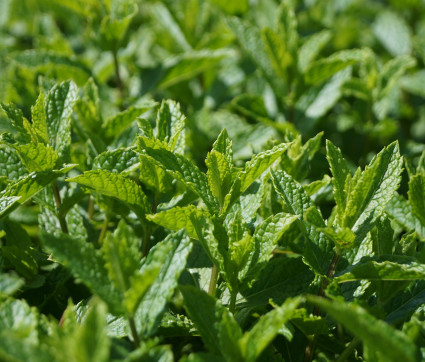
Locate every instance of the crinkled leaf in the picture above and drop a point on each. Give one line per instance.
(59, 105)
(417, 196)
(373, 189)
(11, 165)
(118, 160)
(152, 307)
(170, 124)
(297, 202)
(181, 168)
(115, 185)
(37, 157)
(340, 171)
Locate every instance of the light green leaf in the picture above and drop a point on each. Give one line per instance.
(266, 329)
(219, 175)
(217, 327)
(22, 260)
(322, 69)
(311, 48)
(374, 333)
(152, 307)
(298, 202)
(181, 168)
(86, 263)
(153, 176)
(117, 186)
(170, 123)
(393, 32)
(119, 160)
(59, 104)
(340, 172)
(37, 158)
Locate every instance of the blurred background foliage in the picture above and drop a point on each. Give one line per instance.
(265, 70)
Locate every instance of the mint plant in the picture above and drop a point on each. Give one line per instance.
(212, 181)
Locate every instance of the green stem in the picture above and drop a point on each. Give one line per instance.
(90, 208)
(232, 303)
(118, 78)
(134, 333)
(58, 202)
(103, 230)
(309, 350)
(347, 352)
(213, 281)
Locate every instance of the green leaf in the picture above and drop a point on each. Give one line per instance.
(396, 268)
(199, 224)
(217, 327)
(251, 172)
(266, 236)
(116, 124)
(187, 66)
(298, 202)
(324, 68)
(251, 41)
(340, 172)
(37, 158)
(232, 7)
(119, 160)
(219, 175)
(87, 264)
(417, 196)
(114, 26)
(399, 208)
(181, 168)
(170, 123)
(393, 32)
(373, 189)
(11, 165)
(18, 121)
(295, 161)
(311, 48)
(9, 284)
(374, 333)
(38, 117)
(117, 186)
(266, 329)
(279, 56)
(122, 257)
(153, 305)
(25, 188)
(59, 105)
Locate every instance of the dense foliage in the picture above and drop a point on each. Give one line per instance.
(216, 180)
